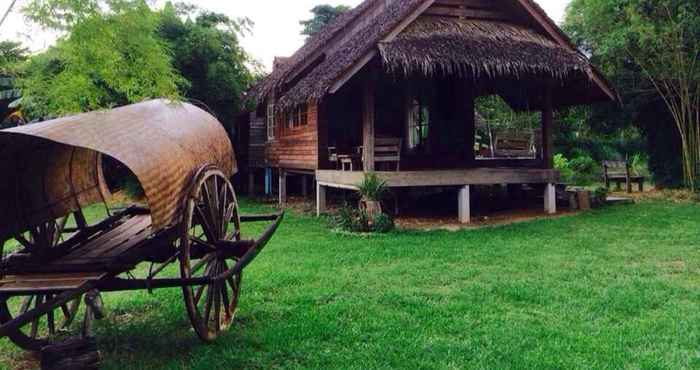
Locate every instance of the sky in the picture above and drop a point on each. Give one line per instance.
(276, 31)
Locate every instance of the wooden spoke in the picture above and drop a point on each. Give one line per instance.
(206, 224)
(44, 329)
(198, 241)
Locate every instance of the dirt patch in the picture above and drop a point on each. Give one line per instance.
(494, 219)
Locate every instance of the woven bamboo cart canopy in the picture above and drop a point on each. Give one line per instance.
(53, 168)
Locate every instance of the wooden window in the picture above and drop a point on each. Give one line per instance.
(271, 123)
(297, 117)
(418, 125)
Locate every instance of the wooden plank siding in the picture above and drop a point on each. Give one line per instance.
(295, 148)
(257, 142)
(469, 9)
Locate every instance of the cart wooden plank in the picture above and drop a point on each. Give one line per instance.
(56, 282)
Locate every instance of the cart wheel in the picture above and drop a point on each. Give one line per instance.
(211, 215)
(41, 238)
(42, 331)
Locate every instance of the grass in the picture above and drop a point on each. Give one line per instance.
(615, 288)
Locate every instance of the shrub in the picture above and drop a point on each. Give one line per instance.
(357, 221)
(382, 223)
(582, 170)
(585, 170)
(352, 220)
(599, 196)
(372, 188)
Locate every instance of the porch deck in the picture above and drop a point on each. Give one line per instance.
(463, 178)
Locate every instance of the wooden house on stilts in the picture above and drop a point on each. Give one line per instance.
(390, 87)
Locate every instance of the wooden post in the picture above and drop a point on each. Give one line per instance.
(304, 187)
(550, 199)
(251, 182)
(283, 187)
(320, 199)
(464, 205)
(368, 124)
(547, 130)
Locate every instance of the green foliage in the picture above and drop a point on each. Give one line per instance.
(12, 55)
(581, 171)
(650, 50)
(600, 196)
(561, 164)
(106, 60)
(382, 223)
(372, 188)
(352, 220)
(62, 15)
(322, 15)
(207, 52)
(355, 220)
(499, 115)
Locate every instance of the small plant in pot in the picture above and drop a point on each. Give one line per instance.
(371, 190)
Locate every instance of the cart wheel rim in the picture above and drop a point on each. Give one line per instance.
(52, 325)
(211, 215)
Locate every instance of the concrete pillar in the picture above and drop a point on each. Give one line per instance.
(464, 205)
(550, 199)
(320, 199)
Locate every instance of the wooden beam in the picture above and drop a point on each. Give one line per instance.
(251, 182)
(352, 71)
(368, 134)
(304, 187)
(476, 176)
(547, 130)
(464, 205)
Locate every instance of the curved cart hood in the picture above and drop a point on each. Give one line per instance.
(52, 168)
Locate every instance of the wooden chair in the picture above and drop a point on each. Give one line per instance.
(388, 150)
(333, 156)
(620, 172)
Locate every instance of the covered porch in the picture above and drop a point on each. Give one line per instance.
(463, 179)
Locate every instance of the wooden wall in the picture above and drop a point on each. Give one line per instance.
(295, 148)
(492, 10)
(257, 140)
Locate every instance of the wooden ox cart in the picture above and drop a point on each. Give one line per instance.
(189, 231)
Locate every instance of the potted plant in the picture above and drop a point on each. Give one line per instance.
(371, 190)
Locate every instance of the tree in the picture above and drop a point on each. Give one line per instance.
(108, 57)
(207, 52)
(652, 47)
(12, 54)
(322, 15)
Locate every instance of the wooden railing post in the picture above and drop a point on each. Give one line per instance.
(547, 130)
(368, 123)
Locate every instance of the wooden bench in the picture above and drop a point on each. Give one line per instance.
(514, 145)
(620, 172)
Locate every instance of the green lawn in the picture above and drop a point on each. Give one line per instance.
(616, 288)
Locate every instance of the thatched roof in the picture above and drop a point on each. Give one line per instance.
(260, 91)
(477, 48)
